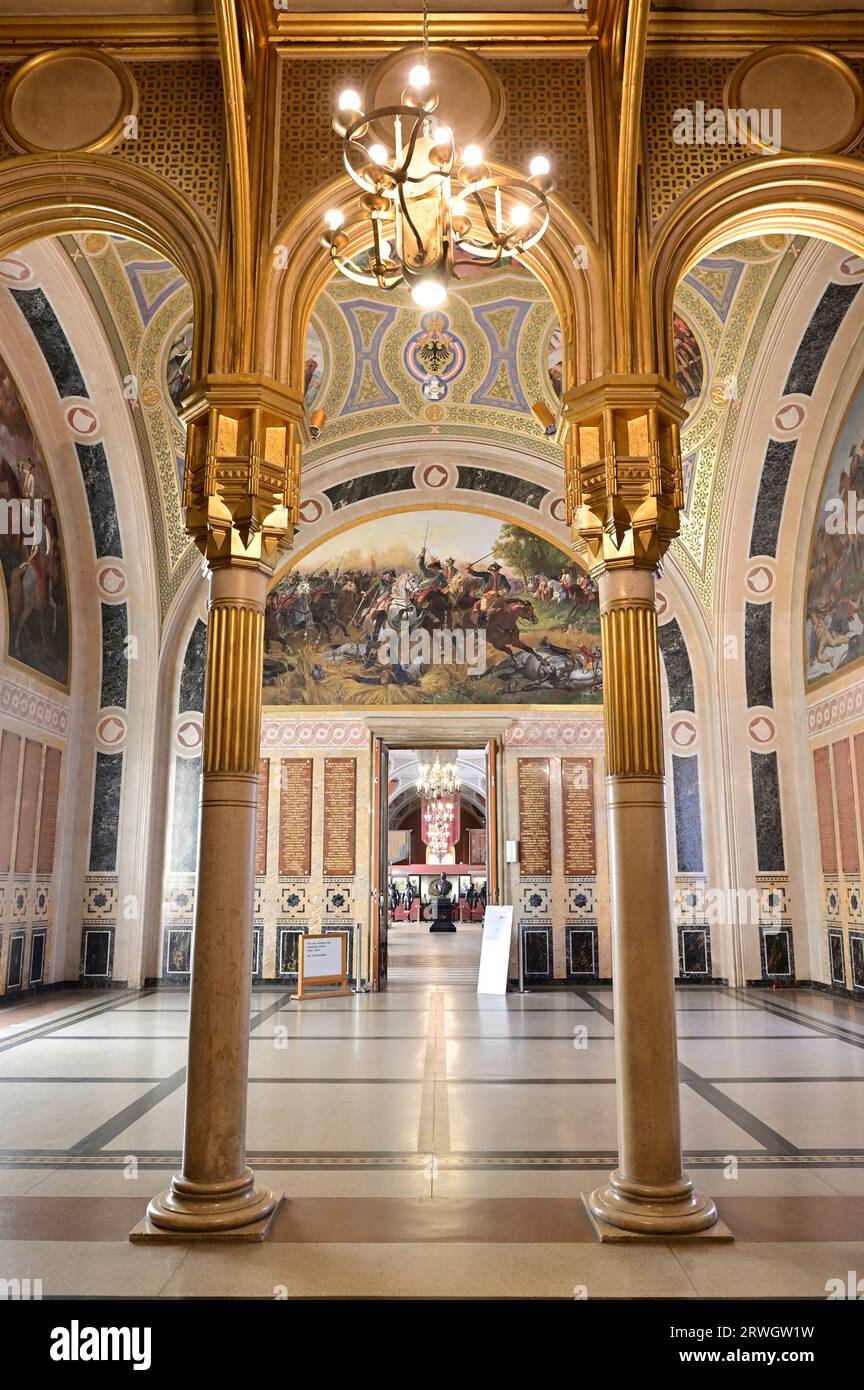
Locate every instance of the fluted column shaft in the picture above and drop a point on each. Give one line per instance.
(649, 1193)
(215, 1191)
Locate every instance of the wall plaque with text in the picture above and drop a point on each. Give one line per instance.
(340, 815)
(295, 818)
(261, 819)
(535, 837)
(577, 814)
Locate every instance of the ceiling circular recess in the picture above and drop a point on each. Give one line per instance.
(68, 100)
(817, 96)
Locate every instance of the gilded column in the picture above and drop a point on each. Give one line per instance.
(624, 494)
(240, 494)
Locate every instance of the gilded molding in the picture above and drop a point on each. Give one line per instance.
(241, 486)
(623, 470)
(235, 660)
(631, 673)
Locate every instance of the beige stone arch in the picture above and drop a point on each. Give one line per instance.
(818, 197)
(43, 195)
(288, 293)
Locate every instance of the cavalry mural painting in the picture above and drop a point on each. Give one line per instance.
(835, 581)
(30, 548)
(433, 607)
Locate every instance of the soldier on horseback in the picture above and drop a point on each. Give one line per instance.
(494, 585)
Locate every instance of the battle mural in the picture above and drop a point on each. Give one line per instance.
(30, 548)
(436, 607)
(835, 580)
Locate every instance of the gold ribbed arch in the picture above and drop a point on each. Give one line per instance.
(300, 268)
(43, 196)
(818, 197)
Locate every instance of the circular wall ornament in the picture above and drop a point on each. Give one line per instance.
(819, 99)
(111, 730)
(469, 90)
(68, 99)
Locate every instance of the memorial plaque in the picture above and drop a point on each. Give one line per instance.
(577, 812)
(841, 753)
(340, 814)
(262, 817)
(295, 818)
(825, 809)
(535, 851)
(30, 778)
(48, 812)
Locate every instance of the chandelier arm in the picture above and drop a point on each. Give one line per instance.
(412, 144)
(417, 237)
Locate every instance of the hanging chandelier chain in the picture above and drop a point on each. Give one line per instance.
(425, 27)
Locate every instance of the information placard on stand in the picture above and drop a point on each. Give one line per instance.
(323, 960)
(495, 950)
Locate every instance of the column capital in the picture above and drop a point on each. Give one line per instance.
(622, 465)
(241, 486)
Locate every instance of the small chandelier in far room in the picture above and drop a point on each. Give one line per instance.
(437, 780)
(424, 197)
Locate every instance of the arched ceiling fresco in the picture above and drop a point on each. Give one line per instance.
(723, 308)
(384, 371)
(145, 305)
(390, 378)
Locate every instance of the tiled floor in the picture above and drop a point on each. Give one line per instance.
(432, 1142)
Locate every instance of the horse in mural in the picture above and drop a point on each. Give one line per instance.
(32, 590)
(501, 623)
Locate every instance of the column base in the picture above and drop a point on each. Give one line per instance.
(629, 1211)
(188, 1211)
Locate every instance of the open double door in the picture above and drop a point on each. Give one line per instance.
(378, 915)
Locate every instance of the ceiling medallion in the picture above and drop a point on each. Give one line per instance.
(69, 99)
(424, 197)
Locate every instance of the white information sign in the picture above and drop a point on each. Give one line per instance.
(322, 957)
(495, 950)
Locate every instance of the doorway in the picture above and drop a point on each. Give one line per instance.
(435, 860)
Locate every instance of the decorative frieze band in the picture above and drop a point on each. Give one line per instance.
(834, 710)
(561, 735)
(281, 732)
(32, 708)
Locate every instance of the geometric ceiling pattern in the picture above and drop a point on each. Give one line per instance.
(723, 307)
(384, 371)
(145, 305)
(385, 374)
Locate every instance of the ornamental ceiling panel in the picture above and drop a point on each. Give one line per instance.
(723, 309)
(145, 306)
(384, 372)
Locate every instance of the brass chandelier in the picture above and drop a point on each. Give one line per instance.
(424, 198)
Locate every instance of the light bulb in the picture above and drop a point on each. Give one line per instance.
(349, 100)
(419, 76)
(460, 208)
(333, 219)
(519, 215)
(378, 154)
(428, 294)
(442, 135)
(472, 154)
(539, 165)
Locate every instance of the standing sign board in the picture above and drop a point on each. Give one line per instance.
(323, 961)
(495, 950)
